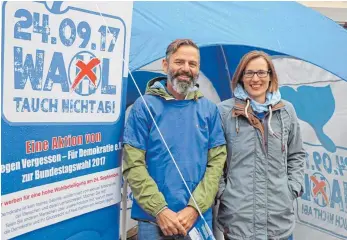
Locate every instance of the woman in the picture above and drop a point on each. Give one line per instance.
(265, 165)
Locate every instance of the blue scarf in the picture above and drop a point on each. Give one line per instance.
(271, 99)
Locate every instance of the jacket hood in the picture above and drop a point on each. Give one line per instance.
(157, 87)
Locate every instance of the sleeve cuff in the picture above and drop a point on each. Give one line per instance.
(162, 209)
(296, 188)
(191, 203)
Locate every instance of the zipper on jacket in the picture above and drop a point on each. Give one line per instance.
(263, 139)
(266, 136)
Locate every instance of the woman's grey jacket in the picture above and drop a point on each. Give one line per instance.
(263, 174)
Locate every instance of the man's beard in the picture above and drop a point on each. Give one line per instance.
(180, 86)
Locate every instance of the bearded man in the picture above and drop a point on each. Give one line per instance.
(191, 127)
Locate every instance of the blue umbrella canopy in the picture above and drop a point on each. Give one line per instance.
(285, 27)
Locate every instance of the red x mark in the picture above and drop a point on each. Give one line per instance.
(86, 69)
(319, 187)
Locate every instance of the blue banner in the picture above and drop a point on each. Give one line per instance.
(63, 78)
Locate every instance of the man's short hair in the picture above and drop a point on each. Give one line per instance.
(175, 45)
